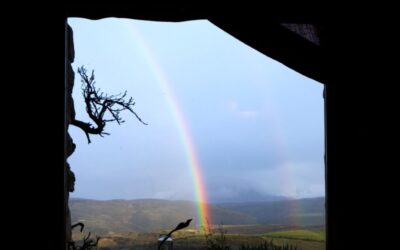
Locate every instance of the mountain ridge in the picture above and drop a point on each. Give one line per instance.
(149, 215)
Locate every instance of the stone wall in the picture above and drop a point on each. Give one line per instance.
(69, 178)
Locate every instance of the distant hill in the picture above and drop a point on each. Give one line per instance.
(144, 215)
(301, 212)
(149, 215)
(244, 195)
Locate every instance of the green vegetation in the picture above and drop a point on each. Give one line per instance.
(191, 239)
(220, 242)
(269, 246)
(217, 242)
(302, 234)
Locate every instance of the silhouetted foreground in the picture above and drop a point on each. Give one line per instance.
(98, 103)
(87, 243)
(180, 226)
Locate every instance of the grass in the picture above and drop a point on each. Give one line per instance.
(301, 234)
(303, 238)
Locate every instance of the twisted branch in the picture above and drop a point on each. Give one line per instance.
(98, 103)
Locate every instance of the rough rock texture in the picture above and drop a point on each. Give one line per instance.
(69, 177)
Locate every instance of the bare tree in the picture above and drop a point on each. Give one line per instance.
(98, 104)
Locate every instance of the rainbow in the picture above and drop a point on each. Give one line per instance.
(203, 213)
(286, 170)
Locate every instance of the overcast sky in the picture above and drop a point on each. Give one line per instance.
(256, 125)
